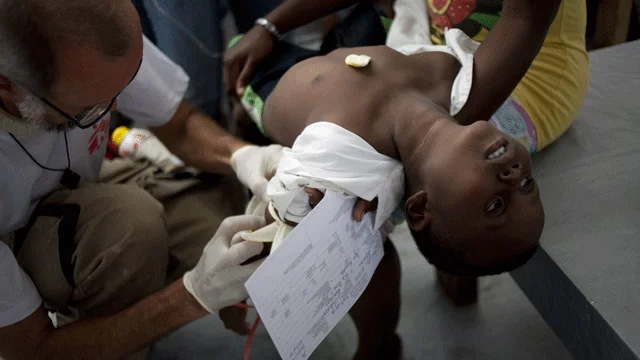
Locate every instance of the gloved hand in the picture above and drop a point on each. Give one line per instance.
(241, 60)
(218, 279)
(255, 166)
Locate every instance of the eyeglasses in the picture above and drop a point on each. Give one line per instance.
(90, 116)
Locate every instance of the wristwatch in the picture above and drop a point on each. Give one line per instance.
(270, 27)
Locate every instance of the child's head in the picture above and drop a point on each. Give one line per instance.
(474, 208)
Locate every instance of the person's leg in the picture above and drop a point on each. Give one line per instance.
(377, 312)
(193, 207)
(191, 35)
(193, 216)
(98, 248)
(95, 250)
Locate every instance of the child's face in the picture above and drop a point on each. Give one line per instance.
(480, 185)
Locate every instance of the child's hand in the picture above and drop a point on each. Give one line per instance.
(234, 318)
(362, 206)
(315, 196)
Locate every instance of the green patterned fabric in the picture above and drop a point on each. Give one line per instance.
(254, 106)
(486, 20)
(234, 40)
(386, 23)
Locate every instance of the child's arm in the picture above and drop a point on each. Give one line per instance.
(506, 54)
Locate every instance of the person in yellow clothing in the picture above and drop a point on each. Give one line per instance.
(530, 72)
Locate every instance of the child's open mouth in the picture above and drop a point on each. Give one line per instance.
(496, 154)
(496, 149)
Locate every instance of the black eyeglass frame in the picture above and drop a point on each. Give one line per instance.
(79, 123)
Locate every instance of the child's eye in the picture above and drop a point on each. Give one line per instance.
(526, 184)
(495, 206)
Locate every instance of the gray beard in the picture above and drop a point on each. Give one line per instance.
(58, 128)
(34, 112)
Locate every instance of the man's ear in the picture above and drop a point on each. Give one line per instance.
(8, 92)
(417, 211)
(6, 85)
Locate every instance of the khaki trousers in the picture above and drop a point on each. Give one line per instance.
(99, 248)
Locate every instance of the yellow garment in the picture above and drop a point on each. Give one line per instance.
(553, 89)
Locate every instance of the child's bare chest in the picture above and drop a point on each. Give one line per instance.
(358, 99)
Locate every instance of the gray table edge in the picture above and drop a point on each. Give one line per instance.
(574, 320)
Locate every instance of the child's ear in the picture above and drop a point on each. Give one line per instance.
(417, 212)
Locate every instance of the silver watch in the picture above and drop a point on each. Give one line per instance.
(270, 27)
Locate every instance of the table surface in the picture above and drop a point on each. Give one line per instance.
(589, 181)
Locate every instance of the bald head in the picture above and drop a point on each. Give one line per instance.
(35, 33)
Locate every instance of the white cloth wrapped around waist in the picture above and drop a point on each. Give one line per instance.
(328, 157)
(409, 34)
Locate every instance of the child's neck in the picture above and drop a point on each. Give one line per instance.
(418, 121)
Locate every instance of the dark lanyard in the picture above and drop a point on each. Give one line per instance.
(70, 179)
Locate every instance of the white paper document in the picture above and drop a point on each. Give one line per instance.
(305, 287)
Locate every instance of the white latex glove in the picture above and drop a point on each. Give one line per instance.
(255, 166)
(218, 279)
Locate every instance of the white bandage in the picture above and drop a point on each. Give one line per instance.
(357, 61)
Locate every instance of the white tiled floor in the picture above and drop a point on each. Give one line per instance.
(503, 325)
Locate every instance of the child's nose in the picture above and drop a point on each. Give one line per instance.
(511, 173)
